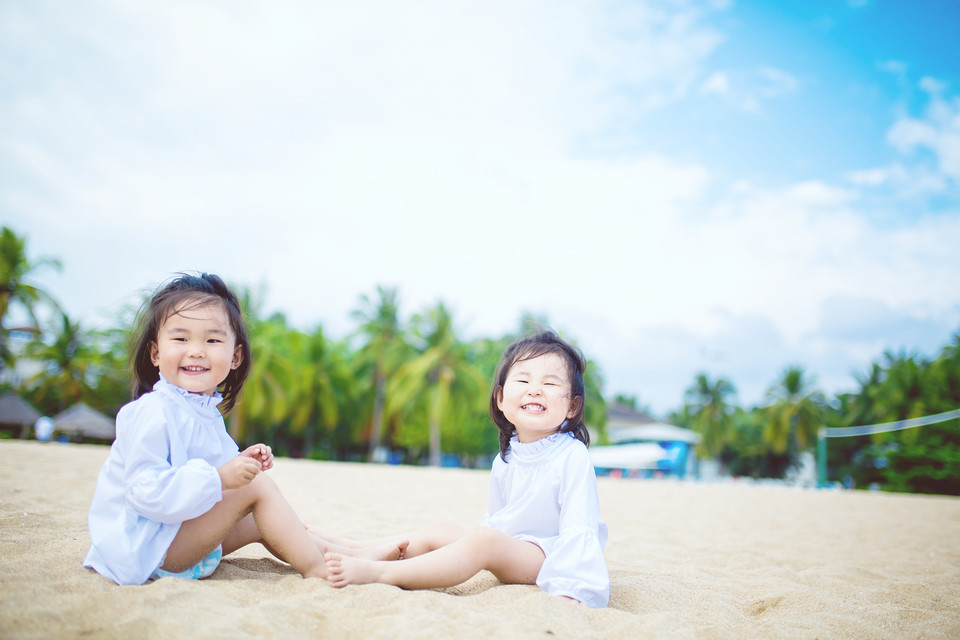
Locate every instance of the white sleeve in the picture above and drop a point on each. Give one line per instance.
(495, 496)
(153, 486)
(575, 567)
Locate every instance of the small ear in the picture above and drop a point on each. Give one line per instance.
(575, 406)
(499, 395)
(154, 353)
(237, 357)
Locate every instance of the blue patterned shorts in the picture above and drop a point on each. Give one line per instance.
(202, 569)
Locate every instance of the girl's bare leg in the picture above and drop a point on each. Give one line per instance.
(434, 536)
(246, 532)
(257, 512)
(386, 549)
(512, 561)
(345, 542)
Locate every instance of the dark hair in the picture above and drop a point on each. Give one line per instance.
(201, 289)
(526, 349)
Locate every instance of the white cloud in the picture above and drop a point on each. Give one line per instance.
(718, 82)
(895, 67)
(937, 131)
(750, 90)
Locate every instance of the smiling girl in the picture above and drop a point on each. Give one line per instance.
(175, 493)
(543, 520)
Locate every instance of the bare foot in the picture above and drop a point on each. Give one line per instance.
(375, 549)
(383, 551)
(343, 570)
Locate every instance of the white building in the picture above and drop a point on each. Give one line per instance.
(640, 445)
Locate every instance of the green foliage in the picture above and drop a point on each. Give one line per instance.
(381, 354)
(438, 385)
(795, 412)
(15, 288)
(928, 464)
(418, 387)
(747, 451)
(899, 387)
(766, 441)
(79, 366)
(710, 413)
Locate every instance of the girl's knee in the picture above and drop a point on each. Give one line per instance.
(444, 532)
(261, 485)
(486, 538)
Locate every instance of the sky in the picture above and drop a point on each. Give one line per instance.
(680, 187)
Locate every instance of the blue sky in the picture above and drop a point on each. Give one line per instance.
(730, 187)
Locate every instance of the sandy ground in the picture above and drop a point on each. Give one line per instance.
(686, 561)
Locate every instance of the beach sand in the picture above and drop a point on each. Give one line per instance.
(686, 560)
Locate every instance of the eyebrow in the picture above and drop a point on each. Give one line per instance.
(552, 376)
(175, 329)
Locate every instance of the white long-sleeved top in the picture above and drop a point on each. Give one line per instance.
(546, 493)
(161, 471)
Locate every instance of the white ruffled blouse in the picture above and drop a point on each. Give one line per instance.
(546, 493)
(161, 471)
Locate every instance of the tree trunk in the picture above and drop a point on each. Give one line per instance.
(308, 438)
(376, 428)
(434, 442)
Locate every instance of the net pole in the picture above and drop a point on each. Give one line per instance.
(821, 459)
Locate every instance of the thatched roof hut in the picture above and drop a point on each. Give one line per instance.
(17, 412)
(84, 422)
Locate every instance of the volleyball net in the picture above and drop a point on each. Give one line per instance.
(869, 429)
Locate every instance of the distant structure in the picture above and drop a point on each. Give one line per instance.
(16, 414)
(641, 446)
(83, 424)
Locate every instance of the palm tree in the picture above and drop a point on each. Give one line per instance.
(946, 372)
(903, 391)
(441, 379)
(15, 289)
(70, 366)
(595, 413)
(711, 415)
(796, 411)
(266, 400)
(267, 396)
(314, 387)
(379, 357)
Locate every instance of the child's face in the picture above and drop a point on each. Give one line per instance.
(196, 348)
(535, 396)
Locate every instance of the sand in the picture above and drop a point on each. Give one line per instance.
(686, 560)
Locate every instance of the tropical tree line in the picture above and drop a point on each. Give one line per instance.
(766, 441)
(413, 390)
(406, 389)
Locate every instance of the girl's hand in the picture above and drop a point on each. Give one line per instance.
(239, 472)
(260, 452)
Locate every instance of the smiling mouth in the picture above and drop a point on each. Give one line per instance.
(193, 369)
(533, 407)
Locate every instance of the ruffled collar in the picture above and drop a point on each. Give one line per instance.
(199, 400)
(529, 452)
